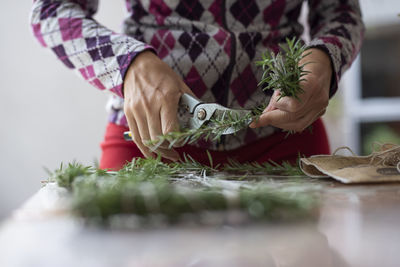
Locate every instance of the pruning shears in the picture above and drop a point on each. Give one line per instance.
(193, 114)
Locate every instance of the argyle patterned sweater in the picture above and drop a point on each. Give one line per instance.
(211, 44)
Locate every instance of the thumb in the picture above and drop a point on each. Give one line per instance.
(272, 101)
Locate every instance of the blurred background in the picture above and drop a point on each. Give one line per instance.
(48, 115)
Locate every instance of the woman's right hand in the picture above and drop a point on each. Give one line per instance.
(152, 91)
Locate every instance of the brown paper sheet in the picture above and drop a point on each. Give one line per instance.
(375, 168)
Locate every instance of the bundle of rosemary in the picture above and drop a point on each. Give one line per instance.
(283, 71)
(149, 188)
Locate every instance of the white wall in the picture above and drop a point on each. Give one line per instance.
(380, 12)
(47, 114)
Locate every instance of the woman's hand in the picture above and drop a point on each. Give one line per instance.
(291, 114)
(152, 91)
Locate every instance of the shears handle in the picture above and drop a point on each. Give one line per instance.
(189, 102)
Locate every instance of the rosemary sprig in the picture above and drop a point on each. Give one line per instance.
(283, 71)
(271, 168)
(65, 175)
(210, 131)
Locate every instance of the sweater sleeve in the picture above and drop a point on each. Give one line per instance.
(97, 54)
(337, 28)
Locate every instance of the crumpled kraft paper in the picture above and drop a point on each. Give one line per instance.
(379, 167)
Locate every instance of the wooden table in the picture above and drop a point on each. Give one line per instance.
(358, 225)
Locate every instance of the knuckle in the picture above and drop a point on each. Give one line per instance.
(146, 104)
(136, 103)
(130, 105)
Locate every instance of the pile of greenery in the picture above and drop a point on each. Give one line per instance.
(150, 188)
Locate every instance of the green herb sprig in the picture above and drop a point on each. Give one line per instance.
(271, 168)
(211, 131)
(283, 71)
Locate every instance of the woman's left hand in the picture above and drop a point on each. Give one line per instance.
(291, 114)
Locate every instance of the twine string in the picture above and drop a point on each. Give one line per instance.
(344, 148)
(388, 154)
